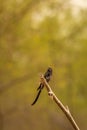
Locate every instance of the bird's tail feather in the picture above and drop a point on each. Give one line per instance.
(36, 97)
(40, 86)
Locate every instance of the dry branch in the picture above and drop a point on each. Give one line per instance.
(59, 103)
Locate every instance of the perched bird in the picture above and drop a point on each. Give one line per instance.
(47, 76)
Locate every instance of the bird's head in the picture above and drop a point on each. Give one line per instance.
(50, 70)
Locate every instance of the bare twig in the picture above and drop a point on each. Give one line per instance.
(59, 103)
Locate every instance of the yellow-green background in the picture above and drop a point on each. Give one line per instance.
(35, 34)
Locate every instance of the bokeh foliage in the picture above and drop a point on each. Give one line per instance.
(33, 36)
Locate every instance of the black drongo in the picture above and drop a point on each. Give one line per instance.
(47, 76)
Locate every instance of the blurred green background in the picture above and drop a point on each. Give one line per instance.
(33, 36)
